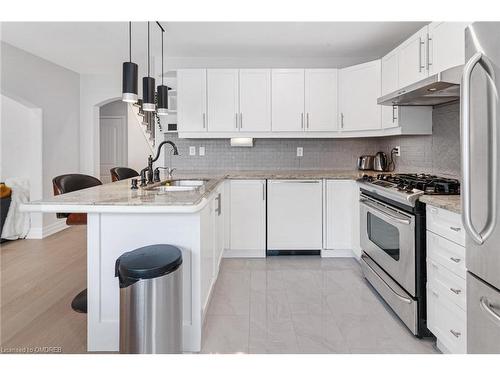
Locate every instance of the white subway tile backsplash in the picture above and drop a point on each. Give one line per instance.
(438, 153)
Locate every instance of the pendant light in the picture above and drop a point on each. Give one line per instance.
(148, 88)
(129, 80)
(162, 90)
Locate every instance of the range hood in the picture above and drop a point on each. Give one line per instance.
(440, 88)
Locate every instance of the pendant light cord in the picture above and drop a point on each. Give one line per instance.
(162, 57)
(130, 40)
(148, 49)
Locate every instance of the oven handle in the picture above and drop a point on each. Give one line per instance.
(383, 212)
(402, 298)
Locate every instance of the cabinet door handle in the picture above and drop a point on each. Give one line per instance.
(236, 120)
(455, 333)
(429, 39)
(394, 108)
(219, 204)
(341, 120)
(456, 260)
(264, 191)
(204, 120)
(241, 120)
(307, 120)
(302, 120)
(456, 229)
(456, 291)
(420, 66)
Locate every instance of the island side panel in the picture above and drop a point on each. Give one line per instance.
(111, 235)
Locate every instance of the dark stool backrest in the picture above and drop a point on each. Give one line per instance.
(122, 173)
(67, 183)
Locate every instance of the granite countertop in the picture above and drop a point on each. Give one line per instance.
(119, 193)
(447, 202)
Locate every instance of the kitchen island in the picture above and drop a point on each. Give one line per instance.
(121, 219)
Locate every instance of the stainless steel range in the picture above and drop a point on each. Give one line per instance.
(393, 240)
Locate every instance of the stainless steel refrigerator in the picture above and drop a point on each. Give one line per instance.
(480, 134)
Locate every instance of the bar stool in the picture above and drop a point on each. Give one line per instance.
(65, 184)
(122, 173)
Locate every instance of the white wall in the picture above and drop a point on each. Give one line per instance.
(95, 91)
(55, 90)
(21, 150)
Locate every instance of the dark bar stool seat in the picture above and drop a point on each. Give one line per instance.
(122, 173)
(65, 184)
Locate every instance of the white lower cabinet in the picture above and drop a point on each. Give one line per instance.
(446, 286)
(207, 251)
(247, 218)
(294, 214)
(219, 215)
(340, 216)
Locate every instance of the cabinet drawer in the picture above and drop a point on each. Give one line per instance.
(447, 322)
(446, 283)
(446, 223)
(447, 253)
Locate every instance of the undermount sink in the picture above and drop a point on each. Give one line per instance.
(179, 185)
(174, 188)
(194, 183)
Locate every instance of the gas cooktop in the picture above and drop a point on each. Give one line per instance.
(406, 187)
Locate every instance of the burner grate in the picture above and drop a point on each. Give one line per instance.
(429, 184)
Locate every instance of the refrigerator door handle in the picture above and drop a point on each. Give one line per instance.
(478, 57)
(487, 307)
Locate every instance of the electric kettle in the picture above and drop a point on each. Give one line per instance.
(380, 162)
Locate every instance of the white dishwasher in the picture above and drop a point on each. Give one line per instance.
(294, 214)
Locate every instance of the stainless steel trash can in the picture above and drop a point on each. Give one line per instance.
(150, 300)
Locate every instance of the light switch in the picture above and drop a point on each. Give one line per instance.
(192, 150)
(300, 152)
(201, 151)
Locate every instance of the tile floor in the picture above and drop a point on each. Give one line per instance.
(302, 304)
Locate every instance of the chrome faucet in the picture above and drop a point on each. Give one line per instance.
(149, 178)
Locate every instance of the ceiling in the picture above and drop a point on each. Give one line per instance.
(99, 47)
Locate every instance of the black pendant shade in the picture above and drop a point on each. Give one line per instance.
(162, 105)
(148, 88)
(129, 82)
(148, 94)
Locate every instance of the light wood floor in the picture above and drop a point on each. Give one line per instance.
(38, 280)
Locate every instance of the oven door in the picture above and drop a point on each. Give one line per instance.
(388, 237)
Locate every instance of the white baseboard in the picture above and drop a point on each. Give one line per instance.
(339, 253)
(47, 230)
(228, 253)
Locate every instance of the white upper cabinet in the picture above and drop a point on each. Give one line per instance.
(412, 58)
(223, 108)
(390, 83)
(359, 89)
(192, 100)
(288, 100)
(446, 45)
(390, 72)
(255, 100)
(321, 99)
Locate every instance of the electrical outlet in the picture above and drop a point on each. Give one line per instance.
(300, 152)
(192, 150)
(397, 151)
(201, 151)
